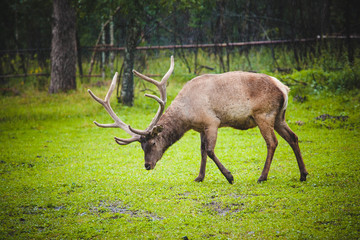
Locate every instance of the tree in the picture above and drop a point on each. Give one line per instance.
(137, 15)
(133, 12)
(63, 47)
(127, 86)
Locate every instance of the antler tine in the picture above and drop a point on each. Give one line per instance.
(156, 118)
(162, 100)
(123, 141)
(171, 69)
(117, 121)
(162, 84)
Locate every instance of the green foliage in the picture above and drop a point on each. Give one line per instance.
(63, 177)
(314, 80)
(316, 73)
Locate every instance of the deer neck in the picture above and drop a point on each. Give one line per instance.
(173, 129)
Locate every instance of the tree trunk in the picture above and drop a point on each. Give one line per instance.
(79, 57)
(63, 47)
(220, 33)
(127, 86)
(348, 32)
(103, 54)
(112, 55)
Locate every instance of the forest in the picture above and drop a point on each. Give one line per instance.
(108, 32)
(63, 177)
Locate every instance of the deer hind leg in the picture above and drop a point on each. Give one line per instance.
(267, 131)
(201, 176)
(285, 132)
(210, 135)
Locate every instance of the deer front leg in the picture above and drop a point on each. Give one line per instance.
(201, 176)
(210, 141)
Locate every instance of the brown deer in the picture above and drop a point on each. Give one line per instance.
(240, 100)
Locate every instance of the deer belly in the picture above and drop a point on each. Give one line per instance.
(239, 118)
(242, 124)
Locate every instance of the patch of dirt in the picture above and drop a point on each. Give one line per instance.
(324, 117)
(33, 209)
(299, 98)
(300, 123)
(183, 195)
(120, 208)
(225, 210)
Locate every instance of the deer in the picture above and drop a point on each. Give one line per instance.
(240, 100)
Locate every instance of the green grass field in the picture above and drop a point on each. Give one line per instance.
(63, 177)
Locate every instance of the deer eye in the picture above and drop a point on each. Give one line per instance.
(142, 139)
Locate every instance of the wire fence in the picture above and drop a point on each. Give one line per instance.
(25, 63)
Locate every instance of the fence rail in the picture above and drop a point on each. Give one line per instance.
(108, 48)
(41, 74)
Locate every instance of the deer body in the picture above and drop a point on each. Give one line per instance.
(231, 98)
(240, 100)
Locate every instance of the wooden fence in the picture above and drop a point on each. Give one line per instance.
(109, 48)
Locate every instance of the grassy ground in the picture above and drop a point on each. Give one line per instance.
(62, 177)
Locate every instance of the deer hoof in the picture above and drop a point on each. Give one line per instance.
(303, 177)
(262, 179)
(199, 179)
(230, 178)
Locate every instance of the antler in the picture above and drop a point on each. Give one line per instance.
(136, 134)
(117, 121)
(162, 100)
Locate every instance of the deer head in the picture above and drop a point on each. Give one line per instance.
(153, 152)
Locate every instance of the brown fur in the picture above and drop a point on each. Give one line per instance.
(239, 100)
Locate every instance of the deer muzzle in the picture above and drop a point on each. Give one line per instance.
(148, 166)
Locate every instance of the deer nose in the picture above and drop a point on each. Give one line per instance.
(147, 166)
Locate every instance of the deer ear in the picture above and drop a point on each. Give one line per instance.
(157, 129)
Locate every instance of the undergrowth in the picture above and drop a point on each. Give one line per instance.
(322, 68)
